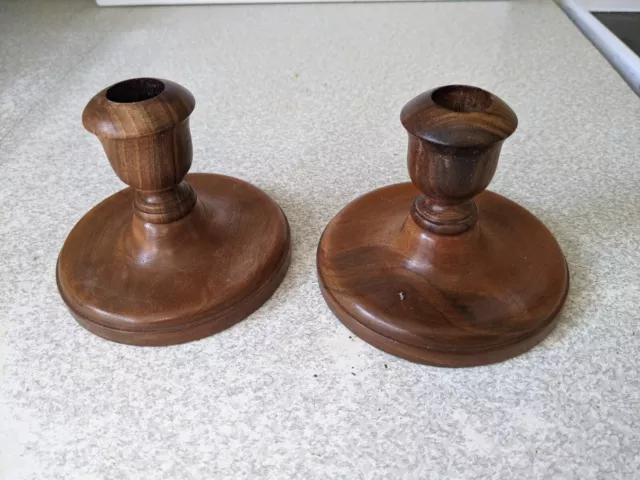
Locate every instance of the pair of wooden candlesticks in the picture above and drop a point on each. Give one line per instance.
(438, 271)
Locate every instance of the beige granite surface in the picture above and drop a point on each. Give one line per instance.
(303, 101)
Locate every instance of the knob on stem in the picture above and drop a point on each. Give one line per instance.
(143, 125)
(455, 136)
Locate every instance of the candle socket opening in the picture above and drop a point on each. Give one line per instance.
(135, 90)
(462, 98)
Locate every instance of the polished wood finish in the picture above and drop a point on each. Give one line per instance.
(175, 257)
(440, 271)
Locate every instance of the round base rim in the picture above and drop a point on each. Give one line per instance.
(176, 328)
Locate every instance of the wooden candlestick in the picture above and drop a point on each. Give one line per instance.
(198, 252)
(442, 272)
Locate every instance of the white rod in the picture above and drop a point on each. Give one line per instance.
(621, 57)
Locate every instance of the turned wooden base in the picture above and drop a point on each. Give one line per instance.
(475, 298)
(158, 284)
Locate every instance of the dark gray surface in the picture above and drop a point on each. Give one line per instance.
(625, 25)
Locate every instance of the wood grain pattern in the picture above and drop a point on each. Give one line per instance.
(193, 258)
(442, 272)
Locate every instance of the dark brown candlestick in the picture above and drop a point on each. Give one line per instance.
(176, 257)
(442, 272)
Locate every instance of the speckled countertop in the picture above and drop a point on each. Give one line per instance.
(303, 101)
